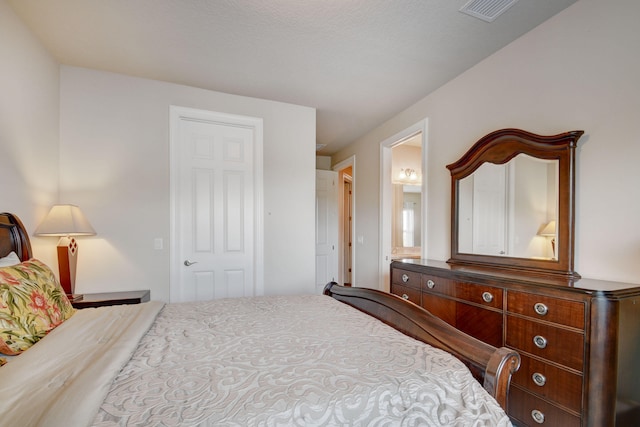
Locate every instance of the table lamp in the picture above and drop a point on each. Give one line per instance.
(66, 221)
(549, 230)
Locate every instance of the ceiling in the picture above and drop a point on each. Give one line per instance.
(358, 62)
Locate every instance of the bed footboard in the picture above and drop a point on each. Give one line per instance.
(491, 366)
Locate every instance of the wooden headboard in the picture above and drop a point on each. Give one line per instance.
(14, 237)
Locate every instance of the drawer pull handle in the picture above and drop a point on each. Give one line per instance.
(405, 278)
(540, 341)
(539, 379)
(487, 297)
(405, 296)
(540, 308)
(537, 416)
(431, 284)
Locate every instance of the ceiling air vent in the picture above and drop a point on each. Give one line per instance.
(320, 146)
(487, 10)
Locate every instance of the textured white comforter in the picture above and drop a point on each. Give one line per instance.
(267, 361)
(63, 378)
(302, 360)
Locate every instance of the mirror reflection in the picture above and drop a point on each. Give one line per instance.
(406, 213)
(407, 202)
(510, 209)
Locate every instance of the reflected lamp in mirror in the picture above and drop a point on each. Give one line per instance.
(66, 221)
(549, 230)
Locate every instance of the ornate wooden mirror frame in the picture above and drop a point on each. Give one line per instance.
(499, 147)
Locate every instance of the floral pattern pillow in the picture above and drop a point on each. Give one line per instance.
(32, 303)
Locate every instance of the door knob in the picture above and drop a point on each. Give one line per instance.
(189, 263)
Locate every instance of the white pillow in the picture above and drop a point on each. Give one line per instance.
(9, 260)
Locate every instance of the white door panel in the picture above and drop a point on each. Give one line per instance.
(326, 227)
(214, 209)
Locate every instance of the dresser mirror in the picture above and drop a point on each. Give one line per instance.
(512, 203)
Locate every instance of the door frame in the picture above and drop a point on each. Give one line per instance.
(177, 113)
(349, 161)
(386, 195)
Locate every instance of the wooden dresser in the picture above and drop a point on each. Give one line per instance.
(579, 342)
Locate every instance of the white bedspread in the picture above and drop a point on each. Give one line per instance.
(63, 378)
(302, 360)
(268, 361)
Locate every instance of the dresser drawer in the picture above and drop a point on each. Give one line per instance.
(556, 384)
(556, 310)
(533, 411)
(549, 342)
(406, 278)
(480, 323)
(480, 294)
(438, 285)
(443, 308)
(484, 295)
(407, 293)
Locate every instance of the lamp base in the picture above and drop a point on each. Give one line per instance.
(67, 262)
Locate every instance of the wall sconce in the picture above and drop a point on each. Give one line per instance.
(549, 230)
(66, 221)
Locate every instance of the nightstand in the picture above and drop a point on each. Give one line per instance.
(112, 298)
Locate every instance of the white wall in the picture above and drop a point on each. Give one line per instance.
(29, 105)
(114, 150)
(578, 70)
(323, 162)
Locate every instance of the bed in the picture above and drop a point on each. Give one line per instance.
(352, 356)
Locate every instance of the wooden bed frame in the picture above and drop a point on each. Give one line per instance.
(491, 366)
(13, 237)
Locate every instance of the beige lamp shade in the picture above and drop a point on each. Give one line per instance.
(549, 230)
(65, 220)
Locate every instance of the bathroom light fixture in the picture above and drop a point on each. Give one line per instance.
(409, 174)
(406, 176)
